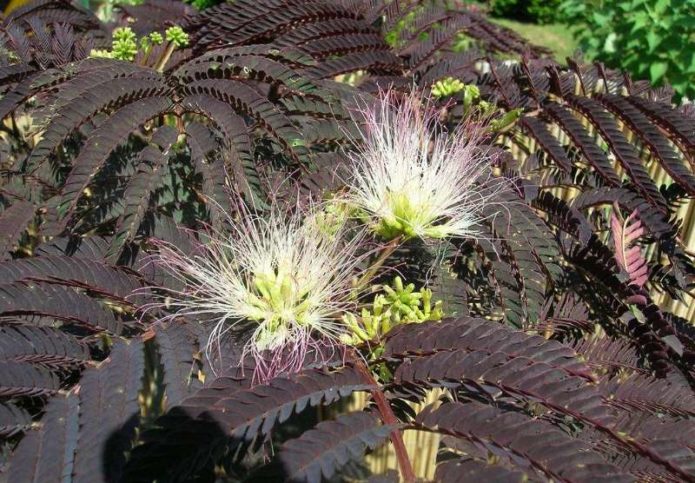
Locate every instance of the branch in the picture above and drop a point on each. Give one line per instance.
(389, 418)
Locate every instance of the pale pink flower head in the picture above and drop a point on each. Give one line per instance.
(280, 277)
(411, 178)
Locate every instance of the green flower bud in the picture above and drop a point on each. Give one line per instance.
(124, 45)
(124, 34)
(398, 304)
(447, 87)
(156, 38)
(177, 36)
(101, 53)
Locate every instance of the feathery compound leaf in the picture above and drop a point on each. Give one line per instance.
(650, 134)
(109, 413)
(178, 350)
(41, 345)
(480, 335)
(493, 375)
(100, 120)
(228, 409)
(467, 469)
(518, 377)
(56, 301)
(25, 379)
(320, 452)
(84, 435)
(47, 455)
(641, 393)
(151, 163)
(584, 142)
(629, 254)
(668, 118)
(81, 272)
(623, 150)
(607, 353)
(535, 446)
(13, 420)
(13, 222)
(103, 141)
(255, 410)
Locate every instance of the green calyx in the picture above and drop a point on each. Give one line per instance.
(277, 302)
(402, 220)
(398, 304)
(407, 220)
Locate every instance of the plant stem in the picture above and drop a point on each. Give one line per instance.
(389, 418)
(165, 57)
(383, 256)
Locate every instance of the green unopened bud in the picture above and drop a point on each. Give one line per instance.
(398, 304)
(348, 339)
(506, 122)
(176, 36)
(124, 45)
(398, 284)
(378, 305)
(438, 312)
(286, 288)
(437, 232)
(332, 218)
(385, 324)
(263, 286)
(124, 34)
(471, 94)
(156, 38)
(101, 53)
(447, 87)
(358, 333)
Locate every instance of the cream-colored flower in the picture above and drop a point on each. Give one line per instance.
(280, 275)
(412, 179)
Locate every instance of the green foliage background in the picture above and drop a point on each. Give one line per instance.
(651, 39)
(536, 11)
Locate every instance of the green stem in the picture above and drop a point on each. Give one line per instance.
(386, 252)
(165, 57)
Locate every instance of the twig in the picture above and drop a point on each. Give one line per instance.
(389, 418)
(383, 256)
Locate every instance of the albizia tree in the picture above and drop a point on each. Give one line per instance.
(213, 242)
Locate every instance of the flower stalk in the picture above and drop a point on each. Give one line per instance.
(389, 418)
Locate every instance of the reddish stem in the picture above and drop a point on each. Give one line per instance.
(389, 418)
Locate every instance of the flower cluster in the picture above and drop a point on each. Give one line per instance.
(176, 36)
(447, 87)
(125, 44)
(398, 304)
(291, 282)
(295, 280)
